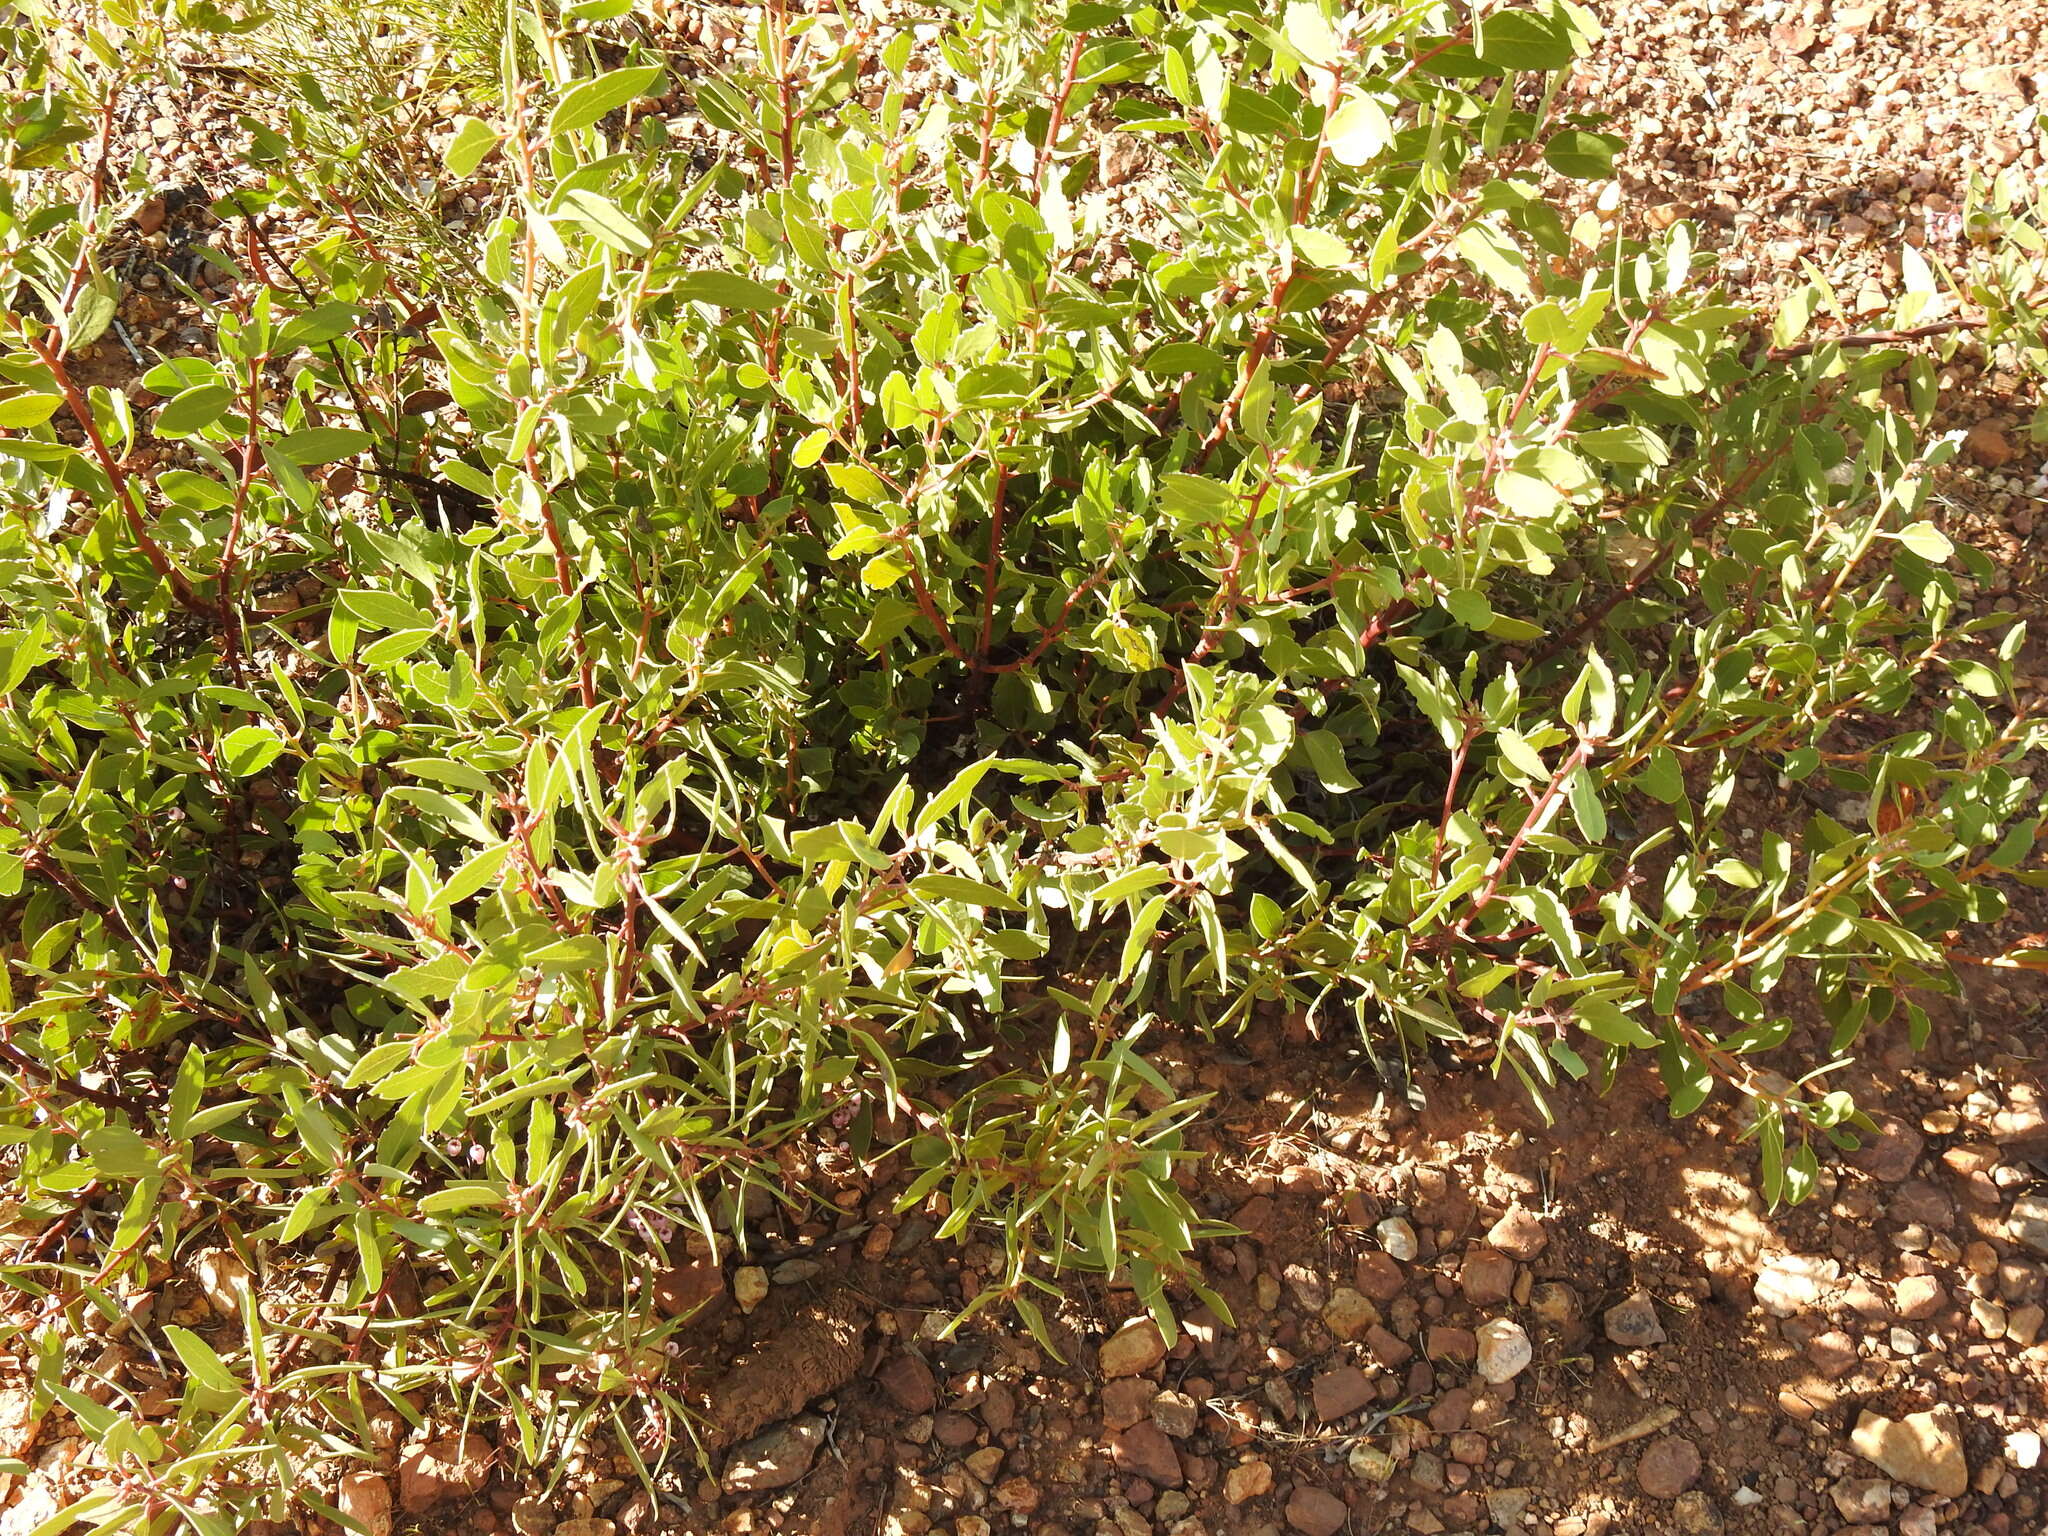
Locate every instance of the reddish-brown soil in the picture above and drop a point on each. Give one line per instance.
(939, 1434)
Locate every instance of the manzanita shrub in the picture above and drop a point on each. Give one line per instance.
(744, 661)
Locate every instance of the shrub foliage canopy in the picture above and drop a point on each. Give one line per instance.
(831, 640)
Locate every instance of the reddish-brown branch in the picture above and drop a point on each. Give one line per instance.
(784, 100)
(1262, 344)
(850, 327)
(123, 487)
(1875, 338)
(1057, 628)
(96, 196)
(991, 570)
(224, 580)
(565, 576)
(1443, 826)
(988, 125)
(1304, 199)
(134, 1109)
(929, 608)
(1701, 522)
(1232, 595)
(1059, 112)
(1380, 624)
(1529, 383)
(1539, 814)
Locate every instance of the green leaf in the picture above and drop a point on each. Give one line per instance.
(469, 1195)
(569, 956)
(1547, 911)
(472, 875)
(119, 1153)
(1130, 883)
(884, 570)
(1583, 789)
(1192, 498)
(193, 410)
(250, 749)
(91, 313)
(1976, 677)
(606, 220)
(1661, 777)
(840, 840)
(1581, 155)
(1604, 1021)
(202, 493)
(322, 323)
(323, 445)
(1143, 926)
(204, 1366)
(1320, 248)
(1014, 943)
(1441, 707)
(1469, 607)
(728, 290)
(32, 410)
(1795, 312)
(473, 139)
(1253, 112)
(1266, 915)
(941, 887)
(1525, 496)
(1358, 131)
(1172, 359)
(953, 796)
(1308, 32)
(859, 482)
(1596, 687)
(1325, 751)
(587, 101)
(381, 610)
(1927, 541)
(1625, 445)
(1196, 845)
(1514, 746)
(1492, 254)
(176, 373)
(1687, 1078)
(1732, 871)
(394, 647)
(1518, 40)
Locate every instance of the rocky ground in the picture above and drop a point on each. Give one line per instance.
(1457, 1320)
(1451, 1320)
(1809, 139)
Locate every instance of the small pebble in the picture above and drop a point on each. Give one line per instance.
(1398, 1238)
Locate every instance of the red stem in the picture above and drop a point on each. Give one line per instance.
(1059, 112)
(124, 490)
(1538, 814)
(134, 1109)
(783, 101)
(565, 577)
(988, 575)
(1443, 826)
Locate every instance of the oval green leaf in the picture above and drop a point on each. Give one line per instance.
(588, 101)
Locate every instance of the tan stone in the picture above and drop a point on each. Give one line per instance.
(1923, 1449)
(1132, 1349)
